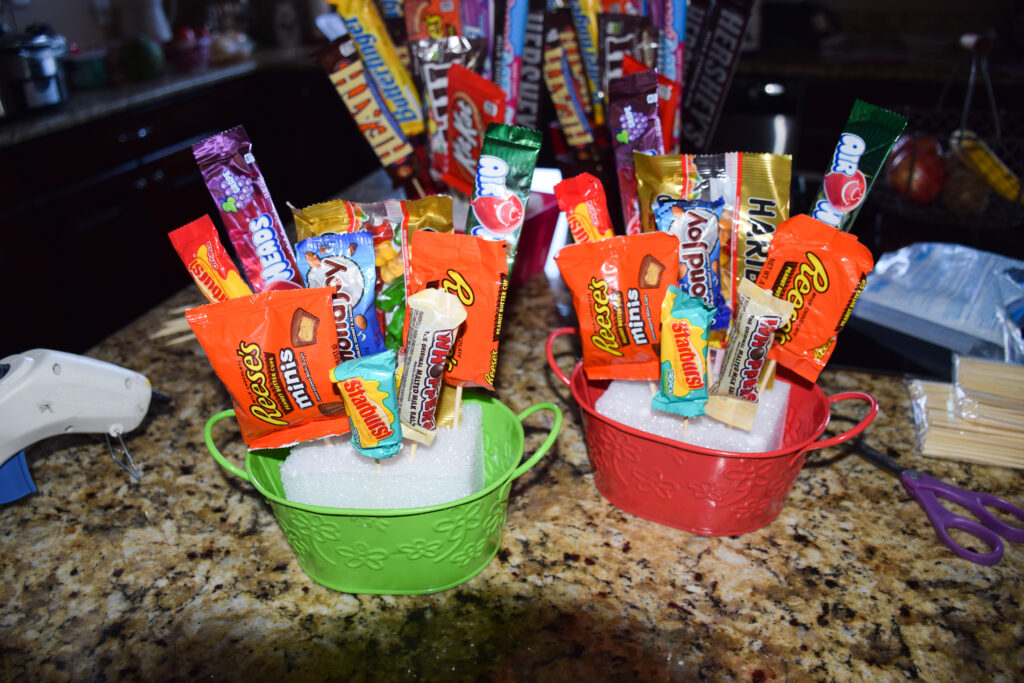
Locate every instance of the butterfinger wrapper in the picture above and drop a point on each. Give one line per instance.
(434, 319)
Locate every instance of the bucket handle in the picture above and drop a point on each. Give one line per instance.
(519, 471)
(856, 429)
(221, 460)
(552, 435)
(550, 354)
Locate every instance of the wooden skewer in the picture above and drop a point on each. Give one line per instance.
(457, 417)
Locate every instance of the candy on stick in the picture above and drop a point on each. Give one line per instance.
(274, 352)
(476, 25)
(617, 288)
(758, 315)
(341, 61)
(584, 14)
(345, 263)
(570, 98)
(762, 204)
(869, 134)
(531, 82)
(207, 261)
(685, 322)
(504, 175)
(393, 13)
(715, 64)
(473, 104)
(241, 195)
(434, 319)
(583, 200)
(367, 386)
(671, 22)
(432, 19)
(624, 35)
(686, 176)
(821, 272)
(476, 271)
(636, 128)
(393, 82)
(694, 222)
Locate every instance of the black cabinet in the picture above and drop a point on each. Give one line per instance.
(84, 213)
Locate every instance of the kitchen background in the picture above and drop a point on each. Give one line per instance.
(108, 172)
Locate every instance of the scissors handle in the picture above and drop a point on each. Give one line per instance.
(927, 490)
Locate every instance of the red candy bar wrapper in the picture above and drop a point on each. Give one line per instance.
(340, 60)
(583, 200)
(433, 59)
(432, 19)
(475, 270)
(473, 104)
(618, 286)
(569, 96)
(208, 263)
(715, 64)
(274, 352)
(668, 103)
(241, 195)
(822, 272)
(635, 127)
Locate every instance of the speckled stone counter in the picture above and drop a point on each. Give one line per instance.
(187, 574)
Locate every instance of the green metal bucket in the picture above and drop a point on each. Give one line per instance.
(412, 550)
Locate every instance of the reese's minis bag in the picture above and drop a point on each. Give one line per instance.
(274, 352)
(617, 287)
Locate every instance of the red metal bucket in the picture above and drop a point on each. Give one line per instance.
(702, 490)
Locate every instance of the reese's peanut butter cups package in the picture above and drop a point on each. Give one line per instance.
(618, 286)
(583, 200)
(476, 271)
(274, 352)
(821, 271)
(869, 134)
(241, 195)
(504, 174)
(207, 261)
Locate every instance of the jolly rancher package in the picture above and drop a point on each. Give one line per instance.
(274, 353)
(241, 195)
(618, 286)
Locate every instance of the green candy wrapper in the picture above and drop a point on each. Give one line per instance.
(869, 134)
(504, 174)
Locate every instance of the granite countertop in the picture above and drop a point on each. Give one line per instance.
(187, 574)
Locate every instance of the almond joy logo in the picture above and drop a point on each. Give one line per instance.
(845, 185)
(499, 211)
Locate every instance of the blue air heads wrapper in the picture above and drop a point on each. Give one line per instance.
(695, 223)
(345, 262)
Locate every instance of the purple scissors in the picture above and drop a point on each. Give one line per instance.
(927, 490)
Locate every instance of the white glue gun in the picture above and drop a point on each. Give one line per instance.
(44, 393)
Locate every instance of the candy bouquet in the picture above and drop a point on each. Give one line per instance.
(378, 316)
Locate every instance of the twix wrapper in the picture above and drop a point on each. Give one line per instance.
(366, 27)
(274, 353)
(207, 261)
(821, 272)
(341, 62)
(735, 394)
(583, 200)
(618, 286)
(473, 104)
(476, 271)
(869, 134)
